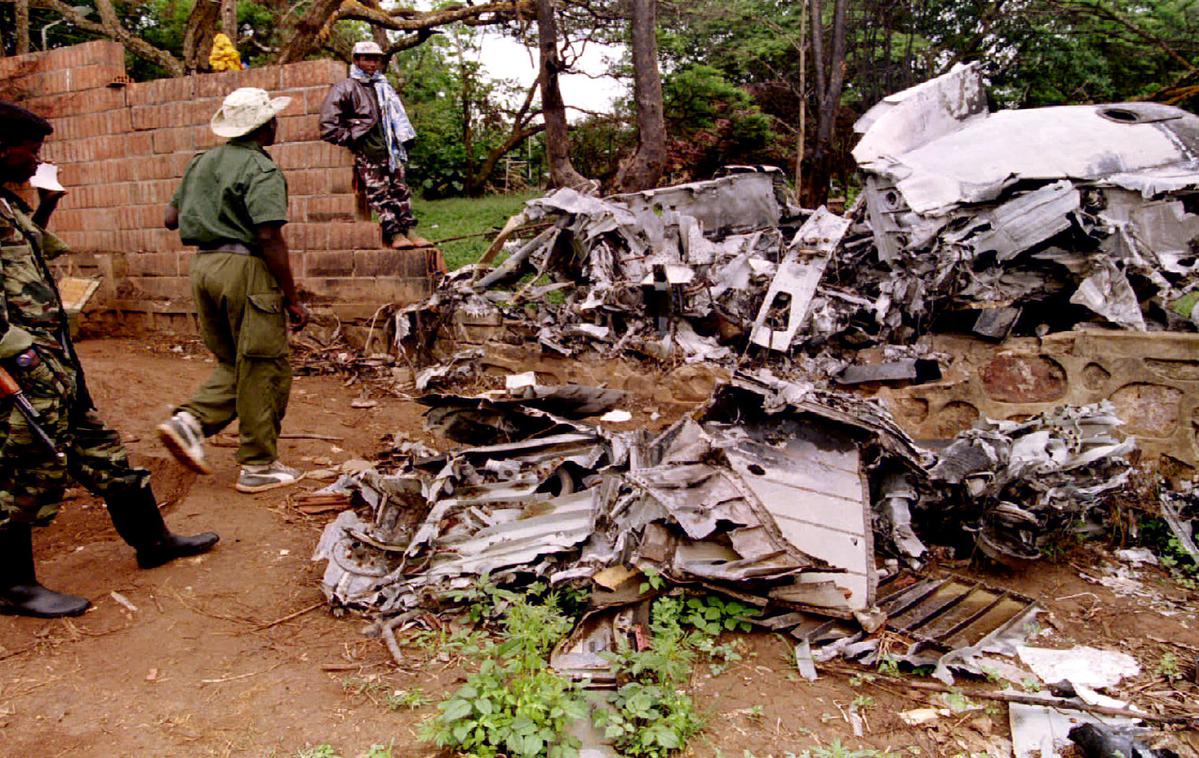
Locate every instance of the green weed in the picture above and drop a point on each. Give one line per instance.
(837, 750)
(653, 581)
(459, 216)
(712, 615)
(515, 705)
(1168, 668)
(410, 699)
(650, 716)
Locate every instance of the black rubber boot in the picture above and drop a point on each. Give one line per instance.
(20, 593)
(136, 517)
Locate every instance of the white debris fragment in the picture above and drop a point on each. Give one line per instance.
(1137, 556)
(1081, 666)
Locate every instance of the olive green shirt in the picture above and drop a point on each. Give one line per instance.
(228, 191)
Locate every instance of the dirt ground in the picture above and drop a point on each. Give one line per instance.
(234, 653)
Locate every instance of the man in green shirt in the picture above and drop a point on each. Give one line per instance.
(232, 205)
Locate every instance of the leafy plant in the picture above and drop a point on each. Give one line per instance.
(720, 655)
(483, 599)
(1168, 668)
(837, 750)
(460, 642)
(319, 751)
(650, 716)
(653, 581)
(888, 665)
(712, 615)
(649, 720)
(515, 705)
(668, 661)
(863, 702)
(1156, 535)
(410, 699)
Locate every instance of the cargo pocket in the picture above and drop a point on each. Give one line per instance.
(263, 327)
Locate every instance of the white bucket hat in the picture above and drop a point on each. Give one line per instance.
(244, 110)
(366, 48)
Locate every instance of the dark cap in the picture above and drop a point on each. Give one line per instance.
(20, 125)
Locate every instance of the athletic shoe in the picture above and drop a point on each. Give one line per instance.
(267, 477)
(182, 435)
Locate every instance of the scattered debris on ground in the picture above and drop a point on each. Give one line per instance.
(789, 492)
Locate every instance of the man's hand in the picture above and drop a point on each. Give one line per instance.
(47, 202)
(297, 315)
(49, 196)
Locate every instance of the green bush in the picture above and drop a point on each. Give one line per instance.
(515, 705)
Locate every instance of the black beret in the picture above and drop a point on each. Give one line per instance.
(20, 125)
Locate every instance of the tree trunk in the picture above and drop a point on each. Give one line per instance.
(21, 11)
(229, 20)
(830, 77)
(198, 33)
(553, 109)
(645, 168)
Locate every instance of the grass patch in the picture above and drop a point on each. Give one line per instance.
(458, 216)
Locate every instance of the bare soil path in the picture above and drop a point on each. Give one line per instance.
(197, 669)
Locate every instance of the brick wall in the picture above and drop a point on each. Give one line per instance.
(121, 149)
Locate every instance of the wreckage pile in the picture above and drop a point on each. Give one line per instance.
(776, 493)
(796, 498)
(998, 223)
(1015, 222)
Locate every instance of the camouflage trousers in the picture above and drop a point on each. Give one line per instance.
(387, 195)
(32, 479)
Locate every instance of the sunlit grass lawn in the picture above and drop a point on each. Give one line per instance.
(455, 217)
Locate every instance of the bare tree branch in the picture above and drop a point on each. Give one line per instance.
(110, 27)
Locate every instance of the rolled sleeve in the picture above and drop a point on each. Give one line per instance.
(266, 197)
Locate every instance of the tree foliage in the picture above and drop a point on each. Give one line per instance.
(736, 74)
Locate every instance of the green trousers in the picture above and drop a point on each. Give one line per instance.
(243, 322)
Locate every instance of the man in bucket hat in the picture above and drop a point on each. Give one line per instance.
(364, 114)
(36, 349)
(232, 205)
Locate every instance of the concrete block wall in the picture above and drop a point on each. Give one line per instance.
(1151, 378)
(121, 149)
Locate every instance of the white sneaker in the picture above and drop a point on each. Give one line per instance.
(267, 477)
(183, 436)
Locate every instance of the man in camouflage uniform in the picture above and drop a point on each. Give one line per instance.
(363, 113)
(36, 349)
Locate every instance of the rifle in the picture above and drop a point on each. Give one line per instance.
(10, 388)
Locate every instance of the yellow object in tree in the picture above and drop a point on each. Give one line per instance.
(224, 55)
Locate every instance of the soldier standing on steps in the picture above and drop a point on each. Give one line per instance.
(36, 349)
(364, 114)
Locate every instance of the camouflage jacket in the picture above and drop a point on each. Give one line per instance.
(31, 312)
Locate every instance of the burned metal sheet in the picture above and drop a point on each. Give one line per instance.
(1015, 481)
(739, 202)
(1022, 222)
(795, 283)
(917, 370)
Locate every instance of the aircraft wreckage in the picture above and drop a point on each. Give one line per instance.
(787, 489)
